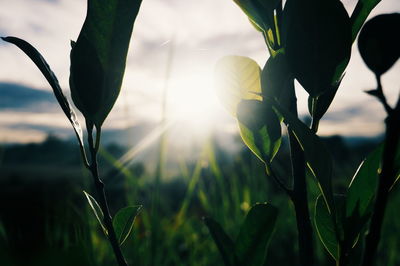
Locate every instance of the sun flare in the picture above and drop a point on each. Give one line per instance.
(192, 103)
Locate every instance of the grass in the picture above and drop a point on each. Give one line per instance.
(45, 219)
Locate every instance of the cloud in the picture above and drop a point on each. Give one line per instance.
(8, 135)
(200, 32)
(21, 98)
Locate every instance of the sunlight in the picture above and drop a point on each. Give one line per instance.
(192, 103)
(151, 138)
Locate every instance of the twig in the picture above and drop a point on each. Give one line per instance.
(378, 93)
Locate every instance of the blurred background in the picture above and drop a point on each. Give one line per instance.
(167, 124)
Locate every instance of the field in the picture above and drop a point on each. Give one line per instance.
(47, 221)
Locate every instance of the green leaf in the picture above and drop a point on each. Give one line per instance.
(361, 192)
(276, 80)
(260, 129)
(237, 78)
(51, 78)
(317, 39)
(98, 57)
(326, 228)
(339, 233)
(379, 42)
(317, 157)
(318, 106)
(259, 12)
(224, 243)
(123, 222)
(97, 211)
(360, 14)
(397, 166)
(255, 233)
(360, 196)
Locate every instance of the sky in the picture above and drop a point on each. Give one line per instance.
(192, 36)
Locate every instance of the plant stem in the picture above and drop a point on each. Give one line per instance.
(103, 202)
(300, 202)
(299, 196)
(386, 179)
(343, 255)
(378, 93)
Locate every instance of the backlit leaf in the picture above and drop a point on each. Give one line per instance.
(224, 243)
(259, 12)
(237, 78)
(255, 234)
(99, 55)
(96, 210)
(51, 78)
(397, 165)
(361, 192)
(260, 128)
(317, 39)
(326, 228)
(360, 14)
(123, 222)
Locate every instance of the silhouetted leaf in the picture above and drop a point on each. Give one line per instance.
(360, 14)
(51, 78)
(317, 106)
(260, 128)
(123, 222)
(255, 233)
(96, 210)
(99, 55)
(317, 39)
(379, 42)
(224, 243)
(276, 80)
(237, 78)
(317, 157)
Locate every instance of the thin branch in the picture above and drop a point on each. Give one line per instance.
(378, 93)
